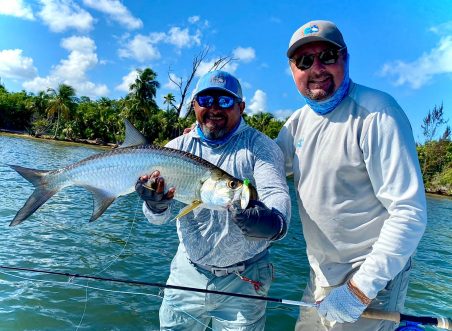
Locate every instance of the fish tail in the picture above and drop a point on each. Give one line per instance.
(40, 195)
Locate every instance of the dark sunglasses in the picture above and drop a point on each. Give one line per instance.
(223, 101)
(328, 56)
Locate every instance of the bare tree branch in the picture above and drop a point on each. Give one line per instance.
(184, 84)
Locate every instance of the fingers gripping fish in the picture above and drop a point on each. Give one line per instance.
(112, 174)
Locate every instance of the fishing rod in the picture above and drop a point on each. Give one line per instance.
(160, 285)
(441, 322)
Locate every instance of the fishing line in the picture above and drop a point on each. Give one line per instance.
(108, 264)
(98, 289)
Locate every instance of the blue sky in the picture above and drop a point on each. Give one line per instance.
(401, 47)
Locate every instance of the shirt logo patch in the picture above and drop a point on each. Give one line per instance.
(299, 143)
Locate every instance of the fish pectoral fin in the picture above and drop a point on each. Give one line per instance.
(195, 204)
(101, 201)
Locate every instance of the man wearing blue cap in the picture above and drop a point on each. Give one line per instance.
(360, 189)
(222, 251)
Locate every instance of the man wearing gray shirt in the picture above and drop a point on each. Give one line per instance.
(222, 250)
(360, 192)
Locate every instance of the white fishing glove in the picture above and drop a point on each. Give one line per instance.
(341, 305)
(257, 221)
(152, 193)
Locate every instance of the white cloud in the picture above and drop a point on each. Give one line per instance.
(282, 114)
(127, 80)
(73, 70)
(16, 8)
(140, 48)
(244, 54)
(193, 19)
(181, 38)
(258, 103)
(442, 29)
(143, 48)
(16, 66)
(421, 71)
(117, 12)
(61, 15)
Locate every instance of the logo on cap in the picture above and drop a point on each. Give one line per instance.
(311, 29)
(219, 80)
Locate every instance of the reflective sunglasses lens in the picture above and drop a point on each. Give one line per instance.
(304, 62)
(225, 101)
(205, 100)
(328, 57)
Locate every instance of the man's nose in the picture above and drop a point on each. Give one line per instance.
(317, 65)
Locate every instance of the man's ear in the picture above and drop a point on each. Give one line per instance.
(242, 107)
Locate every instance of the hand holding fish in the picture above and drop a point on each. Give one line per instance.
(259, 222)
(151, 190)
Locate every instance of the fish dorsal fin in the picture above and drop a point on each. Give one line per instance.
(195, 204)
(101, 201)
(133, 136)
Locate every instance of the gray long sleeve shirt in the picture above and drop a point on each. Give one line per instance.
(360, 189)
(210, 237)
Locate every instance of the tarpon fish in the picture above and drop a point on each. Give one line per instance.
(198, 183)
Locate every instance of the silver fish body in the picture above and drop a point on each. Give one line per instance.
(114, 173)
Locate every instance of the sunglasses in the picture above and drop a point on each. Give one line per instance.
(328, 56)
(223, 101)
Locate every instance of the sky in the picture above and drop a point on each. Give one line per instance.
(403, 48)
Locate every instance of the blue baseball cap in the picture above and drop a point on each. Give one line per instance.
(219, 80)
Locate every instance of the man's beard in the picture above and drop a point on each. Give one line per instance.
(213, 133)
(320, 94)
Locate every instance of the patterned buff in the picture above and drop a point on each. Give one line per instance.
(326, 106)
(217, 142)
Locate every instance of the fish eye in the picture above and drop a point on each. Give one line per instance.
(233, 184)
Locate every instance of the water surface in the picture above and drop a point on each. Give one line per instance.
(122, 244)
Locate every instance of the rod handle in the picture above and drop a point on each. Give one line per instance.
(441, 322)
(382, 315)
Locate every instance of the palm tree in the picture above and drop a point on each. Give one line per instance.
(61, 102)
(141, 100)
(169, 100)
(144, 90)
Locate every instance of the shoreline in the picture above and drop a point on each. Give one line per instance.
(92, 143)
(99, 144)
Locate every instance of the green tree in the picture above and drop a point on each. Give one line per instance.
(260, 120)
(38, 104)
(435, 155)
(14, 112)
(61, 103)
(433, 122)
(265, 123)
(169, 101)
(144, 90)
(140, 102)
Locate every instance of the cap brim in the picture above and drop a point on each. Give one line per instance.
(307, 40)
(218, 89)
